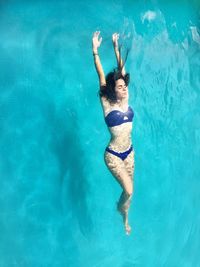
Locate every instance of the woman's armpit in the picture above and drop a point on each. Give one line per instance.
(102, 87)
(105, 102)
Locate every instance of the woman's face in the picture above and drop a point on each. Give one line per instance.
(121, 89)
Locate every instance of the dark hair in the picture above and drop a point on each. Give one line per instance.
(108, 90)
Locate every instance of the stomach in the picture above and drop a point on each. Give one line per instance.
(120, 137)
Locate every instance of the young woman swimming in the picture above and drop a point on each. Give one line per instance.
(119, 154)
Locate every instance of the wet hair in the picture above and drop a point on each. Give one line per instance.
(108, 90)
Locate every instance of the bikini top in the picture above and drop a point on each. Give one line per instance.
(117, 117)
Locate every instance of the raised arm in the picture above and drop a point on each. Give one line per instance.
(95, 44)
(115, 38)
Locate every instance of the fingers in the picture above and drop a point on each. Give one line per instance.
(115, 37)
(116, 34)
(96, 34)
(96, 39)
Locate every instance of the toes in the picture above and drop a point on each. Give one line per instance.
(128, 229)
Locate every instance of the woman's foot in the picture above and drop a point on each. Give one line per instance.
(128, 229)
(126, 225)
(124, 214)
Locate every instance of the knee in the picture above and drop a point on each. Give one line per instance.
(129, 192)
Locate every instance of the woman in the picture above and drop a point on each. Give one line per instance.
(119, 154)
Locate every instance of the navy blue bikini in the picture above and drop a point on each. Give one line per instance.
(117, 117)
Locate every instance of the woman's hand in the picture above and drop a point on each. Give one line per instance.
(115, 38)
(95, 41)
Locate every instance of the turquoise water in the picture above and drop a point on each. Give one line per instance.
(57, 199)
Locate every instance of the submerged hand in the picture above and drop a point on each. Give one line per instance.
(95, 41)
(115, 38)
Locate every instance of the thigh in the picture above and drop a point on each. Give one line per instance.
(130, 164)
(117, 168)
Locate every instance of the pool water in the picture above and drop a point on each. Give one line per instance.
(57, 198)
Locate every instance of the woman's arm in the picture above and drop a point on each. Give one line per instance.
(115, 38)
(95, 44)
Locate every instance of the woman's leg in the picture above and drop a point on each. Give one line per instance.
(129, 165)
(117, 168)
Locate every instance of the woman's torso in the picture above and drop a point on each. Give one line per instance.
(119, 121)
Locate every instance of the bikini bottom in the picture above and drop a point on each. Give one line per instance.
(121, 155)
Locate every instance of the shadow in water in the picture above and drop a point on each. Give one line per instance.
(74, 187)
